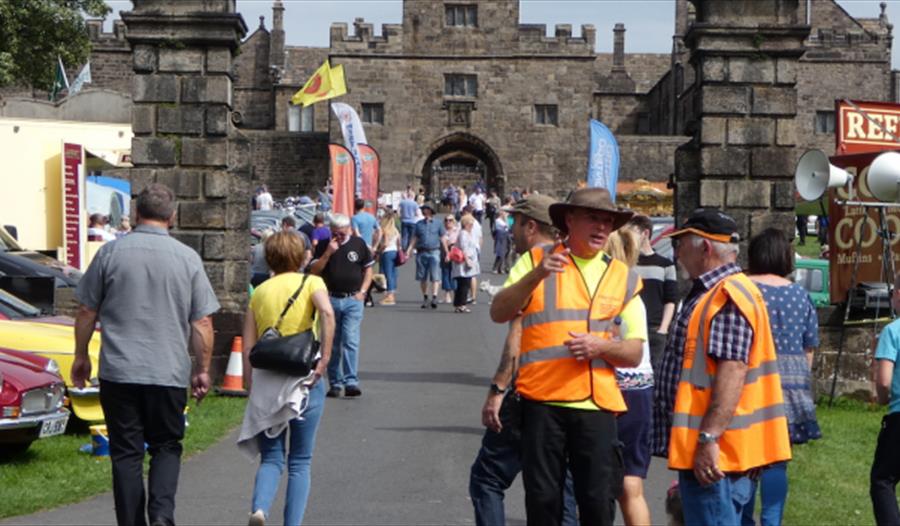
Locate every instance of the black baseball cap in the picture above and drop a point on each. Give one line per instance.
(712, 224)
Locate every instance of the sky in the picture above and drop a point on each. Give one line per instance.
(649, 24)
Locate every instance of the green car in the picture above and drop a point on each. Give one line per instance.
(813, 275)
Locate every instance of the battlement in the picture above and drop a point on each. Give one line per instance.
(98, 36)
(533, 38)
(364, 38)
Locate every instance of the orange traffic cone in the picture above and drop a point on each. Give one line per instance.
(233, 385)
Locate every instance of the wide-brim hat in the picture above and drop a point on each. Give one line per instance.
(597, 199)
(428, 205)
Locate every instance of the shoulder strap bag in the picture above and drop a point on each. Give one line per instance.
(296, 354)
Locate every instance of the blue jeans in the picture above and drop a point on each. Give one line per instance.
(406, 233)
(719, 503)
(773, 492)
(299, 457)
(389, 269)
(448, 284)
(495, 468)
(348, 316)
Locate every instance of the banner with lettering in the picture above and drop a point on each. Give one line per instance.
(603, 159)
(862, 126)
(354, 135)
(73, 202)
(853, 230)
(343, 180)
(370, 165)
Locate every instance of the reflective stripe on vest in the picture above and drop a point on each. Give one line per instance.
(548, 371)
(757, 433)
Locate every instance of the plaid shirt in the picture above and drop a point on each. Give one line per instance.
(730, 337)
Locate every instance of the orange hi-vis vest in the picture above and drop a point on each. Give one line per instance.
(758, 432)
(561, 303)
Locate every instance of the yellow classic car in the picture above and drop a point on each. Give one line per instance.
(23, 328)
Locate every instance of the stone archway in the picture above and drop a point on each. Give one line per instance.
(460, 158)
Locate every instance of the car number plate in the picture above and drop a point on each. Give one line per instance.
(54, 426)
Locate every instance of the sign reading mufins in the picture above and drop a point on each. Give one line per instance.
(74, 232)
(862, 127)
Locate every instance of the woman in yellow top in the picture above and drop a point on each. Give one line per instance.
(268, 399)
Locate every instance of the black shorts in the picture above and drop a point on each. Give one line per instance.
(634, 431)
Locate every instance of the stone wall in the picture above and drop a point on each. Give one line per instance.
(290, 163)
(650, 157)
(253, 82)
(111, 66)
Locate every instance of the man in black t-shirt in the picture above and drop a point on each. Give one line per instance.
(660, 292)
(345, 264)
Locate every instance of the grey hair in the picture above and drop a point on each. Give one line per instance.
(720, 249)
(339, 221)
(156, 202)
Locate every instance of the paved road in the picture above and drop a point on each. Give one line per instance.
(400, 455)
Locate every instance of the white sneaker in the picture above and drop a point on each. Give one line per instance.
(257, 518)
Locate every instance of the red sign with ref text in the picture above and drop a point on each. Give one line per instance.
(863, 127)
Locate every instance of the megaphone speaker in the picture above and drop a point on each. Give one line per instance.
(815, 174)
(884, 177)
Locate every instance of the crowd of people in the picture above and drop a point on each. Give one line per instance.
(599, 372)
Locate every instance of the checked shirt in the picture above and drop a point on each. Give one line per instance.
(730, 338)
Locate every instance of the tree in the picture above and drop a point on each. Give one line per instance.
(34, 32)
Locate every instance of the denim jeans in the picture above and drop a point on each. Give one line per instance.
(719, 503)
(406, 233)
(299, 457)
(389, 269)
(448, 284)
(773, 483)
(495, 468)
(348, 316)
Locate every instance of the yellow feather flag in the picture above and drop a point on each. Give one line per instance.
(326, 83)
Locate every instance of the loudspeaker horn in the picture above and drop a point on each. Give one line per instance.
(884, 177)
(815, 174)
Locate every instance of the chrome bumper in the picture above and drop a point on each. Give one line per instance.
(82, 392)
(30, 420)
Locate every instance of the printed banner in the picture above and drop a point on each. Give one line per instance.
(862, 127)
(603, 159)
(370, 166)
(74, 228)
(354, 135)
(342, 180)
(855, 228)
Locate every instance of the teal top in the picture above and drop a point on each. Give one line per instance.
(888, 347)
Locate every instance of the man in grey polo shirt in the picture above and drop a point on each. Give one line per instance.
(154, 300)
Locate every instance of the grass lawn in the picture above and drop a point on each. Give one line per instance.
(811, 249)
(54, 472)
(829, 478)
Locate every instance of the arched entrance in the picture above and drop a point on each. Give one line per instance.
(460, 159)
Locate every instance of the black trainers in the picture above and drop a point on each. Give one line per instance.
(352, 391)
(334, 392)
(433, 303)
(425, 302)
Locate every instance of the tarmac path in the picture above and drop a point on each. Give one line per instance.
(399, 455)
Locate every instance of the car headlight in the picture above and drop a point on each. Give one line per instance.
(52, 367)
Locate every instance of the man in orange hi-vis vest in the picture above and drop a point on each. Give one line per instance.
(719, 409)
(581, 316)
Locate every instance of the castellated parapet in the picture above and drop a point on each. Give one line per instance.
(364, 39)
(111, 66)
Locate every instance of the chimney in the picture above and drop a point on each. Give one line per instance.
(619, 47)
(276, 44)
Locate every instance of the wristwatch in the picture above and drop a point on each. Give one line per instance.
(706, 438)
(496, 389)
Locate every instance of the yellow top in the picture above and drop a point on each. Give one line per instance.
(270, 298)
(634, 317)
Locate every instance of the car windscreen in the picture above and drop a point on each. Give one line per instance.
(11, 304)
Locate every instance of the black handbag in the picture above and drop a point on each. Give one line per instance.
(296, 355)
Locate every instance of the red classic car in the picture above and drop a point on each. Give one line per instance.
(31, 400)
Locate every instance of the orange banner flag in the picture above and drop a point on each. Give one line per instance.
(343, 177)
(370, 165)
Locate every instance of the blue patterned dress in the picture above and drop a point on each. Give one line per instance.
(795, 328)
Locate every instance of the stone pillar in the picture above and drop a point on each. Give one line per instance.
(742, 110)
(619, 47)
(182, 92)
